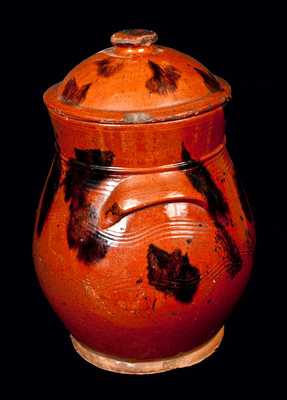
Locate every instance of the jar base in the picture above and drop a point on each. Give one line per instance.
(123, 366)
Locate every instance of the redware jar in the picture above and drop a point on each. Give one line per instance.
(143, 240)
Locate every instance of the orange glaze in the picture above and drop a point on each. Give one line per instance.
(143, 240)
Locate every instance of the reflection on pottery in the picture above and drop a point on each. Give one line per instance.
(144, 239)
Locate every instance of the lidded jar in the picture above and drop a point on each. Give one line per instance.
(143, 240)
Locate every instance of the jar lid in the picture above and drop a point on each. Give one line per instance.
(136, 81)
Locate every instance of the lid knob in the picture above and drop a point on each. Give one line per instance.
(134, 37)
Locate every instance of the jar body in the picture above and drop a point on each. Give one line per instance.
(143, 241)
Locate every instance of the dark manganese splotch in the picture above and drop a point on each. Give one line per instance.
(108, 67)
(80, 169)
(243, 198)
(81, 232)
(172, 273)
(114, 210)
(73, 94)
(209, 79)
(50, 191)
(164, 79)
(218, 208)
(204, 184)
(234, 264)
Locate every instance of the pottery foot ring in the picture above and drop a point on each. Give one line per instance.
(122, 366)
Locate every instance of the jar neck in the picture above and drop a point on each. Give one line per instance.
(139, 145)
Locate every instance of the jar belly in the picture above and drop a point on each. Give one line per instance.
(164, 278)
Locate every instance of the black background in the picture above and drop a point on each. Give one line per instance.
(245, 47)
